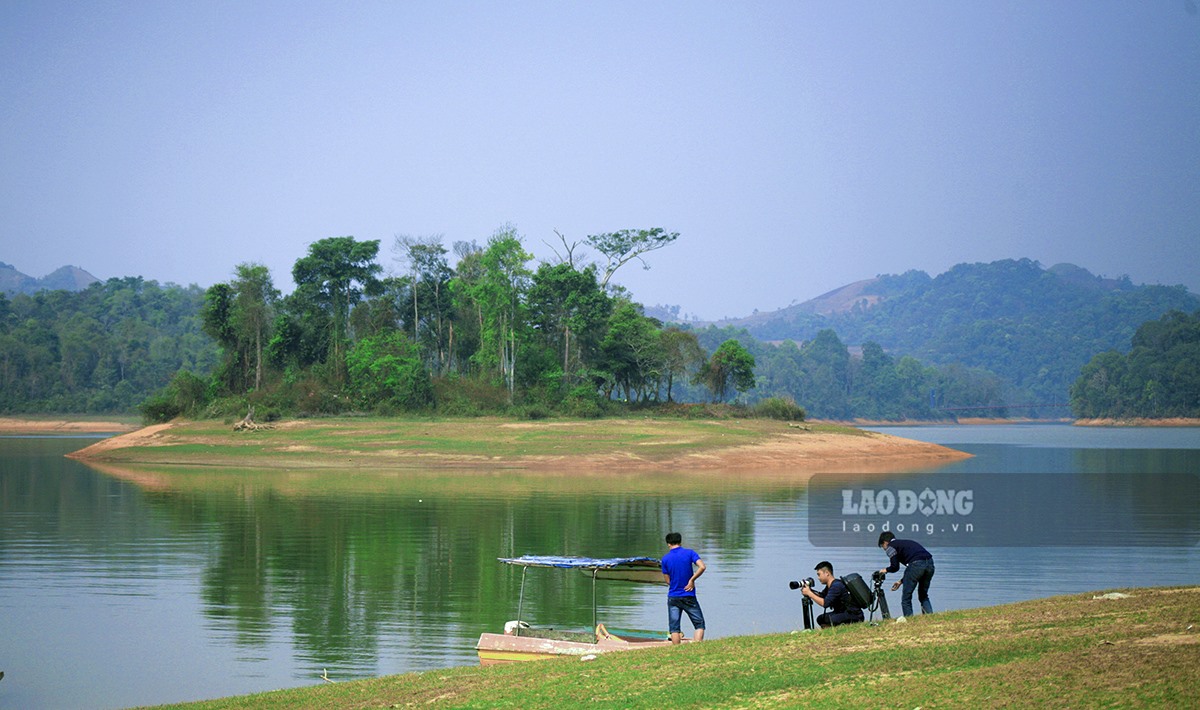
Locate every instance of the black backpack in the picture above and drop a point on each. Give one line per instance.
(860, 593)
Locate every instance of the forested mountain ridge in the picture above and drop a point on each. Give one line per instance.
(65, 278)
(1033, 327)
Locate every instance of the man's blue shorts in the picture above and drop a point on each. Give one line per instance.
(677, 606)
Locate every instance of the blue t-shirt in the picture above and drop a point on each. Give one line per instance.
(677, 564)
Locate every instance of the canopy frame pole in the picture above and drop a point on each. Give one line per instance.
(521, 601)
(593, 597)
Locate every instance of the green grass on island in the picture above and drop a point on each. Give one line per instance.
(1074, 651)
(349, 442)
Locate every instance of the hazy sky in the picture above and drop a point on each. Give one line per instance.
(795, 146)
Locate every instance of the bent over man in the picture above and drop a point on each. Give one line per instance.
(918, 570)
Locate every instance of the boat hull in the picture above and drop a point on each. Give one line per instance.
(495, 649)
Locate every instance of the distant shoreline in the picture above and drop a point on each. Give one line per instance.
(1137, 421)
(964, 421)
(34, 425)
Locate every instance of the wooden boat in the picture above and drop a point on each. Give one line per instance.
(524, 642)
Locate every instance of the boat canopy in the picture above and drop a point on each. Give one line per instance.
(576, 562)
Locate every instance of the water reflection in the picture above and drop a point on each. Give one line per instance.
(361, 566)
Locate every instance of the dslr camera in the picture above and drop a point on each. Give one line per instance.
(806, 582)
(877, 576)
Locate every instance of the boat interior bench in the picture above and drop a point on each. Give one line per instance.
(559, 634)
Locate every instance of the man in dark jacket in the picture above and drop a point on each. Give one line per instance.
(835, 598)
(918, 570)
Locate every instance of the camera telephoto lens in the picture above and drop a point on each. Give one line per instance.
(793, 585)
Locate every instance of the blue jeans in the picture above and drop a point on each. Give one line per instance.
(917, 574)
(676, 606)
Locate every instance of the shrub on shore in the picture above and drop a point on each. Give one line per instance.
(783, 408)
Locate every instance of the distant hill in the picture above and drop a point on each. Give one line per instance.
(65, 278)
(1034, 327)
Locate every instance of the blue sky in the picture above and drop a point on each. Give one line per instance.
(795, 146)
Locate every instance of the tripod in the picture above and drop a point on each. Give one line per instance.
(879, 601)
(806, 605)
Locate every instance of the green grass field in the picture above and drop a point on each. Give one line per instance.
(1074, 651)
(348, 442)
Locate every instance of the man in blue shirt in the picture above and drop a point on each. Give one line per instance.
(918, 570)
(839, 606)
(677, 569)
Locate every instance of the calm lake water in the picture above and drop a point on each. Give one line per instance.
(121, 589)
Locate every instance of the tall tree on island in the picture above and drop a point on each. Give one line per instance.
(429, 276)
(633, 351)
(621, 247)
(569, 309)
(255, 296)
(682, 354)
(730, 364)
(336, 273)
(499, 296)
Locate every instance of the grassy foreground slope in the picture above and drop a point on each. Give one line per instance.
(1073, 651)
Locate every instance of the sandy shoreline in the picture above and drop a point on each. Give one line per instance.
(14, 425)
(1169, 422)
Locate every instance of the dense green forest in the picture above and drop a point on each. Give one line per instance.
(102, 349)
(1033, 328)
(1159, 377)
(829, 382)
(473, 329)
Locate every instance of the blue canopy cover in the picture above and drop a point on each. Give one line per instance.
(575, 562)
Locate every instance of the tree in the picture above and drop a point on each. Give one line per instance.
(621, 247)
(335, 274)
(254, 310)
(730, 364)
(875, 387)
(466, 318)
(498, 294)
(429, 286)
(632, 350)
(682, 355)
(1097, 392)
(568, 307)
(827, 370)
(386, 369)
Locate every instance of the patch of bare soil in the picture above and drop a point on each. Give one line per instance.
(146, 436)
(794, 451)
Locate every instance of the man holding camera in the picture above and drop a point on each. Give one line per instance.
(918, 570)
(835, 598)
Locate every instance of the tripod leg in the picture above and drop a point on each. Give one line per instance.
(883, 607)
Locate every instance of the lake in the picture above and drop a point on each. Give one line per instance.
(122, 589)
